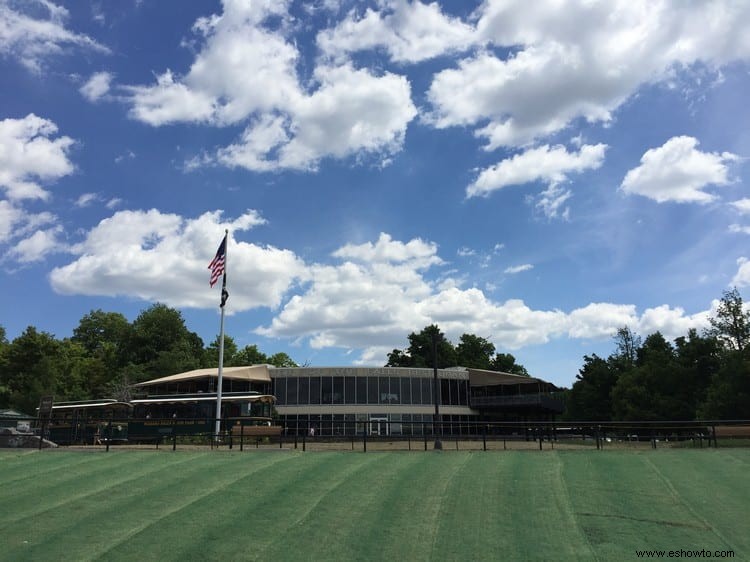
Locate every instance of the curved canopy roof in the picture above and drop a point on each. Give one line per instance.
(251, 373)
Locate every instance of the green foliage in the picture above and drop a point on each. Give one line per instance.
(473, 352)
(106, 355)
(731, 325)
(699, 377)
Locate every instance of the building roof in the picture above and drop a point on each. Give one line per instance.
(250, 373)
(480, 377)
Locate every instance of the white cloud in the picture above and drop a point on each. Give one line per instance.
(34, 39)
(37, 246)
(409, 31)
(97, 86)
(742, 277)
(418, 253)
(86, 199)
(16, 222)
(512, 270)
(742, 205)
(677, 171)
(352, 112)
(551, 165)
(163, 257)
(738, 228)
(371, 304)
(572, 60)
(341, 112)
(28, 155)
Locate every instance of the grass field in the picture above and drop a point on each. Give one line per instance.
(281, 505)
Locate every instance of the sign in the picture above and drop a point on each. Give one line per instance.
(45, 406)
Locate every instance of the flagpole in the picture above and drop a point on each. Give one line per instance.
(221, 338)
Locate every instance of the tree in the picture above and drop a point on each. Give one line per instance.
(211, 357)
(590, 399)
(506, 363)
(161, 343)
(31, 369)
(249, 355)
(419, 352)
(102, 333)
(731, 325)
(627, 344)
(281, 359)
(474, 352)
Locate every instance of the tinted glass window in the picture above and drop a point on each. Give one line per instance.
(291, 390)
(405, 391)
(362, 390)
(303, 390)
(426, 391)
(416, 391)
(372, 390)
(314, 390)
(280, 391)
(326, 390)
(338, 390)
(350, 396)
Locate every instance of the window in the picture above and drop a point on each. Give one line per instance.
(426, 391)
(416, 391)
(350, 386)
(326, 395)
(385, 397)
(304, 390)
(445, 392)
(372, 390)
(405, 391)
(291, 390)
(362, 390)
(338, 390)
(314, 390)
(280, 391)
(454, 392)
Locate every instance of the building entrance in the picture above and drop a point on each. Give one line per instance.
(379, 426)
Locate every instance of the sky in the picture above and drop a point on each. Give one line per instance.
(535, 173)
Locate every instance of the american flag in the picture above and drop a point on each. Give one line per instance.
(217, 264)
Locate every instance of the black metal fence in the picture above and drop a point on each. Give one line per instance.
(375, 434)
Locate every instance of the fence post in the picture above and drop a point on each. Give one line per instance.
(109, 434)
(596, 436)
(484, 438)
(364, 439)
(541, 437)
(242, 436)
(713, 432)
(304, 442)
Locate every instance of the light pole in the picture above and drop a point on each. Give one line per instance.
(436, 392)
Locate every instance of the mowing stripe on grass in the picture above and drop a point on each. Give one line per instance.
(571, 505)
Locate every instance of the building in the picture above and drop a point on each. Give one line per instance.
(340, 401)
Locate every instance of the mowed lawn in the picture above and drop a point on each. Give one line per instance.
(265, 505)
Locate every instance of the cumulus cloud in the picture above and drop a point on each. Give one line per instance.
(551, 165)
(571, 60)
(163, 257)
(35, 31)
(37, 246)
(342, 111)
(677, 171)
(408, 31)
(369, 304)
(29, 155)
(97, 86)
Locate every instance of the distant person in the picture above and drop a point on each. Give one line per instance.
(98, 436)
(312, 432)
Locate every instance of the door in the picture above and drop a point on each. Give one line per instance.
(378, 426)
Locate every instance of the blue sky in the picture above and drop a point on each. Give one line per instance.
(539, 174)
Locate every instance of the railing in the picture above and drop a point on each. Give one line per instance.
(548, 402)
(380, 434)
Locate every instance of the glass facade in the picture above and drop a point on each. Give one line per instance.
(370, 390)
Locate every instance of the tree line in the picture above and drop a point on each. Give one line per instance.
(107, 354)
(698, 376)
